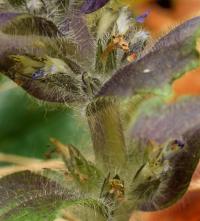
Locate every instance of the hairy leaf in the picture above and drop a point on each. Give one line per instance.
(36, 64)
(165, 177)
(17, 3)
(28, 196)
(46, 67)
(76, 25)
(161, 122)
(172, 56)
(159, 184)
(92, 5)
(25, 24)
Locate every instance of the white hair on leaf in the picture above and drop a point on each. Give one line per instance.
(34, 5)
(124, 20)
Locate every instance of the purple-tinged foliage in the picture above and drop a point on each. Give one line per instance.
(82, 35)
(52, 67)
(58, 88)
(92, 5)
(181, 32)
(27, 182)
(6, 17)
(168, 121)
(172, 122)
(26, 191)
(164, 190)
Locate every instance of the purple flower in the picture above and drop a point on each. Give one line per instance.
(141, 18)
(38, 74)
(92, 5)
(179, 143)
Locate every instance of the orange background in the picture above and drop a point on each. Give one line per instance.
(160, 21)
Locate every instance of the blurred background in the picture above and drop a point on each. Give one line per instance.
(26, 124)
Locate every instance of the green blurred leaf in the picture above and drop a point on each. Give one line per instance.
(26, 126)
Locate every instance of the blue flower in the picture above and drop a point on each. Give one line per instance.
(141, 18)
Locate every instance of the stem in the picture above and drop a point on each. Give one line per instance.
(8, 158)
(51, 164)
(107, 135)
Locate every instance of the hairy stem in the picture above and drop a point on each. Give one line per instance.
(106, 131)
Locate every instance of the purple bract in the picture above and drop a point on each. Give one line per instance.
(92, 5)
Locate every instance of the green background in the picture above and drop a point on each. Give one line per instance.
(27, 124)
